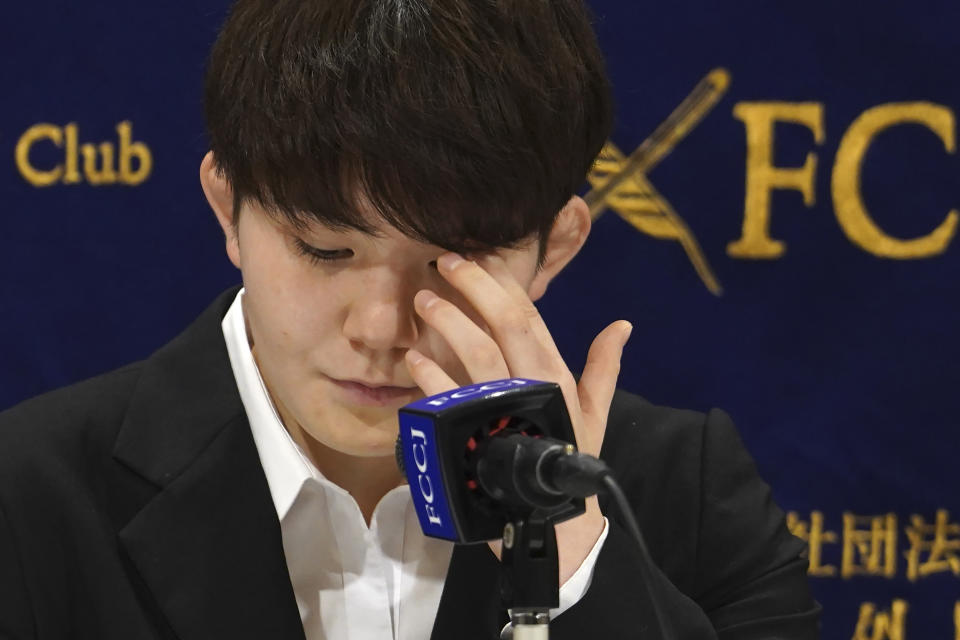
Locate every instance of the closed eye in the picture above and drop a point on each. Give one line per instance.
(317, 256)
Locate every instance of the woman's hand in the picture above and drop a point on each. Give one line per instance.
(518, 344)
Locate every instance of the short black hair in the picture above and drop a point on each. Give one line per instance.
(467, 124)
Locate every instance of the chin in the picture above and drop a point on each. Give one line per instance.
(382, 449)
(364, 440)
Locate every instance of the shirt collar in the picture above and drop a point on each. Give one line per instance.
(284, 464)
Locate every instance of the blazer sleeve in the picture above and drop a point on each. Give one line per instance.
(751, 572)
(743, 575)
(16, 622)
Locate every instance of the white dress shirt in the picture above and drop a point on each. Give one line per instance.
(352, 582)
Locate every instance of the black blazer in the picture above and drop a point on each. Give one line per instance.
(133, 505)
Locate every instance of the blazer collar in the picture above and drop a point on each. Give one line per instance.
(208, 544)
(184, 397)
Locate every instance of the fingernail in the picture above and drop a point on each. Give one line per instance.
(414, 356)
(628, 332)
(449, 261)
(424, 298)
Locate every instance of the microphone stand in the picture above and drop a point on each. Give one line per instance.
(529, 576)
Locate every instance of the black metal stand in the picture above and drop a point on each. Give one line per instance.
(530, 576)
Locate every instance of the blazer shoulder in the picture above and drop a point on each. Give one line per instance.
(678, 451)
(73, 420)
(638, 430)
(657, 454)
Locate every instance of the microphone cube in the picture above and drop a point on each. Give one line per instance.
(439, 434)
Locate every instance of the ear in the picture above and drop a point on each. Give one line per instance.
(220, 197)
(569, 232)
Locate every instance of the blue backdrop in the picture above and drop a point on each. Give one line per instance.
(785, 247)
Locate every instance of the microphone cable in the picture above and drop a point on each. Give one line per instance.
(581, 475)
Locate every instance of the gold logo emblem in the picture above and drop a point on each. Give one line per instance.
(620, 182)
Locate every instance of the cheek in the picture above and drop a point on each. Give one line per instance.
(281, 292)
(289, 318)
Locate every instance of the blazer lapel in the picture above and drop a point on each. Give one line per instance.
(208, 544)
(470, 607)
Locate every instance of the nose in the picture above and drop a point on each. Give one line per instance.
(381, 316)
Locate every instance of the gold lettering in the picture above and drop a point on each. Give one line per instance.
(31, 174)
(848, 204)
(763, 177)
(956, 620)
(130, 150)
(934, 548)
(814, 534)
(72, 175)
(128, 161)
(106, 175)
(869, 545)
(881, 625)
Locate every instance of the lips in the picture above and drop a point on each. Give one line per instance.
(373, 394)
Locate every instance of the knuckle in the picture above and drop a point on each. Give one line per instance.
(515, 321)
(529, 311)
(566, 380)
(484, 354)
(555, 366)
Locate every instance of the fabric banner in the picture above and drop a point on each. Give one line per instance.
(776, 213)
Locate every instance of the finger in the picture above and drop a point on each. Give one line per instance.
(497, 267)
(427, 374)
(599, 379)
(479, 353)
(515, 324)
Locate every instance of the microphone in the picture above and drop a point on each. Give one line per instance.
(487, 454)
(495, 460)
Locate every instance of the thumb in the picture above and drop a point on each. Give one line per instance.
(599, 379)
